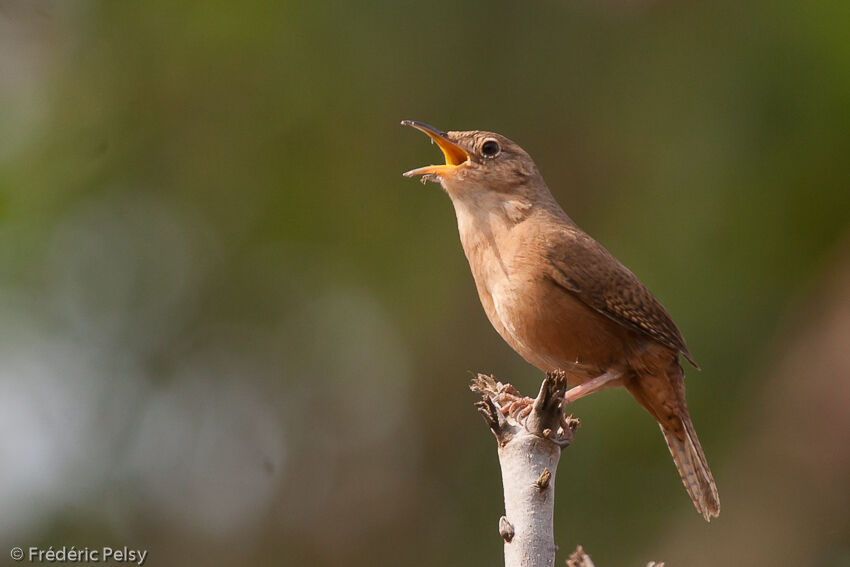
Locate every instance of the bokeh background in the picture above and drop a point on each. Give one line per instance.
(232, 333)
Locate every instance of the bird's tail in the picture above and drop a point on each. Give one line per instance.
(663, 396)
(693, 467)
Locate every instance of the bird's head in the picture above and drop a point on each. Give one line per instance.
(479, 164)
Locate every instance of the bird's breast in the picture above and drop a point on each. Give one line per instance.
(546, 324)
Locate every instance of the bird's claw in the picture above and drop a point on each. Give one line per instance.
(513, 404)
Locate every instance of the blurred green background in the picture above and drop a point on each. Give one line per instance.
(232, 333)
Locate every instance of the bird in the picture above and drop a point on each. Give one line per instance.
(559, 298)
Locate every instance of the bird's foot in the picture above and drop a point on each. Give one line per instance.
(513, 404)
(542, 416)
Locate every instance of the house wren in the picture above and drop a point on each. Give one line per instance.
(560, 299)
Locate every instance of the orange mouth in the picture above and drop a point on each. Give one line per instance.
(454, 155)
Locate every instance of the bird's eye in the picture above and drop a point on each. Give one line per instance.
(490, 148)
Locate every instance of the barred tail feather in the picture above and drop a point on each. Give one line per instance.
(693, 468)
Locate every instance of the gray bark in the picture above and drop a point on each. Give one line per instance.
(530, 435)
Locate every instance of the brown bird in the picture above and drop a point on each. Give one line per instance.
(560, 299)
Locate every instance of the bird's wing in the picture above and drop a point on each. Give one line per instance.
(585, 268)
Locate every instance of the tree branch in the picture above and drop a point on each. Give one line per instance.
(530, 434)
(579, 558)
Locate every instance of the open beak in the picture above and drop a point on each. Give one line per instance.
(454, 154)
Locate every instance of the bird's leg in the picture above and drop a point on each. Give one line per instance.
(590, 386)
